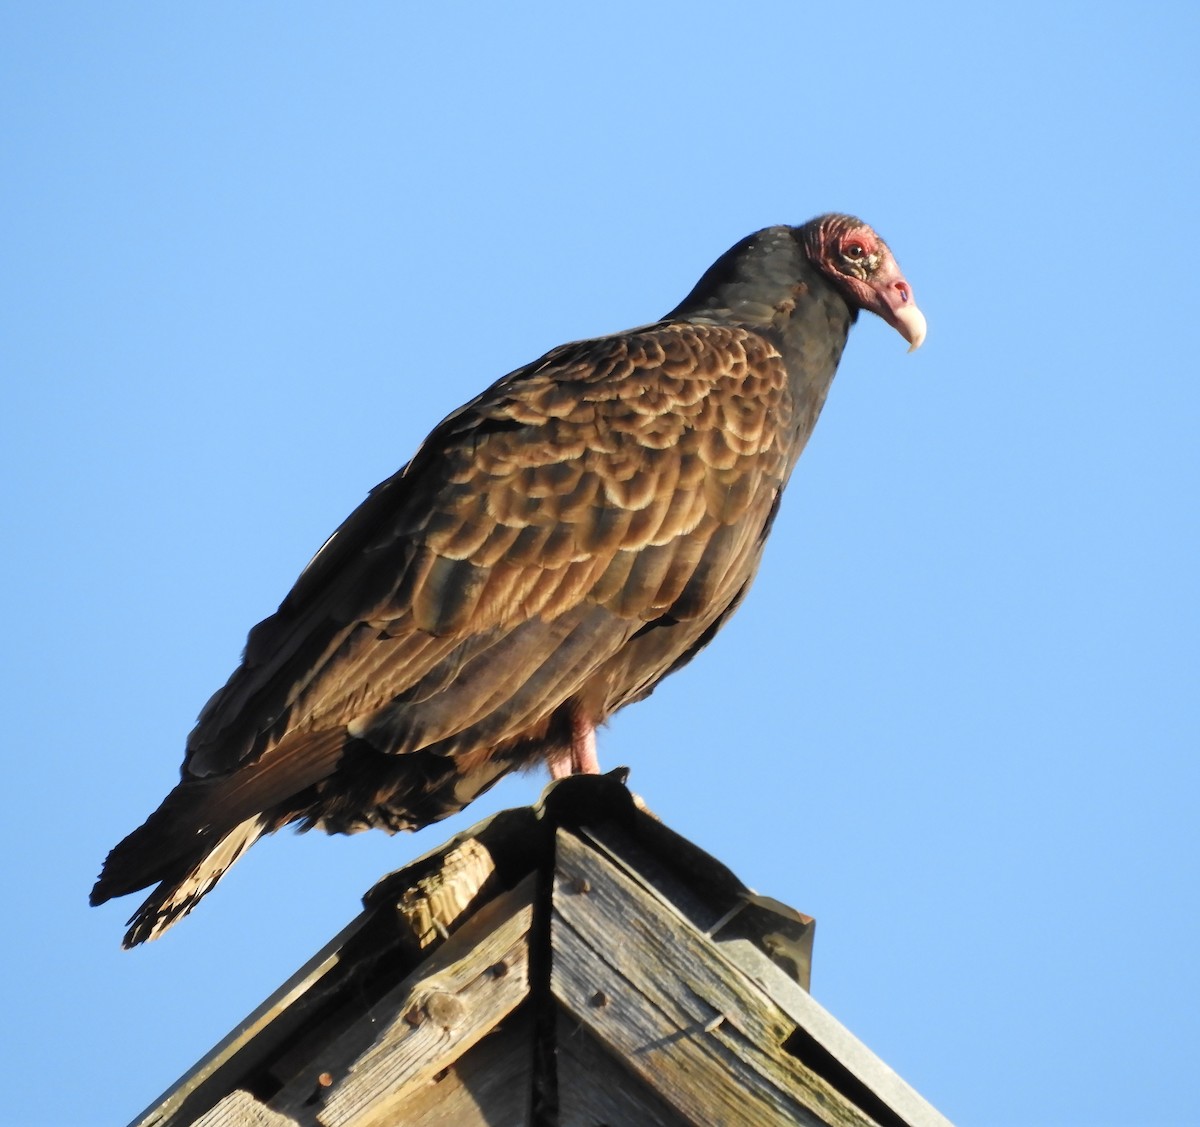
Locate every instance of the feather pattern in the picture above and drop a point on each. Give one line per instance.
(554, 548)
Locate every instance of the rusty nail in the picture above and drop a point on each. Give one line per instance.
(500, 969)
(581, 885)
(325, 1080)
(599, 999)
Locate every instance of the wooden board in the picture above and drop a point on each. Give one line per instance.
(658, 995)
(252, 1040)
(490, 1086)
(595, 1089)
(478, 977)
(771, 944)
(241, 1109)
(420, 1028)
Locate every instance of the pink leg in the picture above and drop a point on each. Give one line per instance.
(583, 747)
(581, 759)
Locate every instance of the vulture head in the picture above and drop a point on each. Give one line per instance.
(862, 266)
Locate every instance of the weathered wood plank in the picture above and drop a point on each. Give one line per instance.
(436, 901)
(845, 1061)
(447, 1005)
(594, 1088)
(756, 951)
(251, 1040)
(444, 1007)
(727, 912)
(771, 944)
(241, 1109)
(490, 1086)
(655, 991)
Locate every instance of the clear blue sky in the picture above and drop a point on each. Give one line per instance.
(251, 253)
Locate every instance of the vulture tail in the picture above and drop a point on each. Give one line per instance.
(188, 882)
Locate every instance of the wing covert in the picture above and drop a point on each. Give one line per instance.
(627, 473)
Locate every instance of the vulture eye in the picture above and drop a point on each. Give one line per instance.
(854, 250)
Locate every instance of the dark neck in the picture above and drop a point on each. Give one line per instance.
(767, 283)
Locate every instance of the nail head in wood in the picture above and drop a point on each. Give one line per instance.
(445, 1009)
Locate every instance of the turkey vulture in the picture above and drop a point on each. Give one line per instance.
(553, 550)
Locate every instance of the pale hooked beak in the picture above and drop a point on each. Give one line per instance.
(892, 299)
(910, 323)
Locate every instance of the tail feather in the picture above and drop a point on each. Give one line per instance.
(321, 780)
(175, 897)
(204, 825)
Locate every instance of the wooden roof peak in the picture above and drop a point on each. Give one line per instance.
(575, 962)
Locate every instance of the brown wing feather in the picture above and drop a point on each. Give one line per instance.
(554, 548)
(611, 472)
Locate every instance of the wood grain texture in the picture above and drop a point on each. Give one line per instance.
(656, 993)
(489, 1086)
(256, 1038)
(447, 1005)
(721, 907)
(434, 904)
(241, 1109)
(597, 1090)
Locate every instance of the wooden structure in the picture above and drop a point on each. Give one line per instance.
(572, 964)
